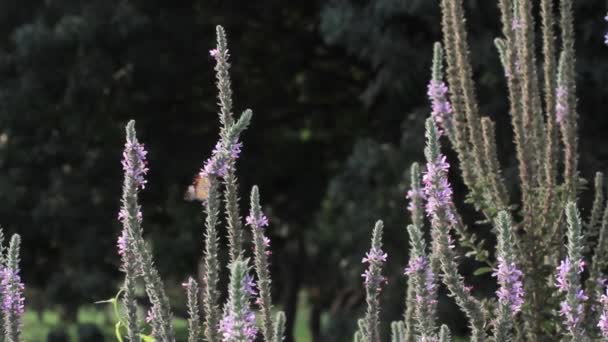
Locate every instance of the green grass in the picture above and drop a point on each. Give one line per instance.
(36, 328)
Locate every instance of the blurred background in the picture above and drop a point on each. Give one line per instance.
(338, 91)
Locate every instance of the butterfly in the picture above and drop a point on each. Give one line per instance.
(199, 190)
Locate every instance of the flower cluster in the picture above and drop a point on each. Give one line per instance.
(257, 221)
(134, 163)
(414, 196)
(221, 159)
(122, 243)
(375, 258)
(238, 323)
(511, 290)
(438, 191)
(561, 278)
(422, 264)
(441, 106)
(603, 322)
(573, 315)
(234, 329)
(12, 289)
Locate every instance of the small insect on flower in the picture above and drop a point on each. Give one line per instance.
(199, 190)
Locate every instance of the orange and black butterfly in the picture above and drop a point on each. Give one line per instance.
(199, 190)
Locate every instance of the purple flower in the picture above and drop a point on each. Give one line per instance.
(561, 104)
(216, 166)
(516, 24)
(414, 196)
(511, 290)
(441, 106)
(214, 53)
(438, 191)
(415, 265)
(563, 284)
(221, 159)
(249, 285)
(234, 151)
(422, 265)
(12, 288)
(375, 258)
(571, 308)
(603, 322)
(122, 243)
(134, 163)
(233, 329)
(259, 221)
(150, 316)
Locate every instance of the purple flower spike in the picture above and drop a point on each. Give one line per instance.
(12, 289)
(135, 168)
(238, 323)
(441, 106)
(221, 159)
(572, 315)
(437, 190)
(375, 258)
(233, 330)
(511, 290)
(422, 264)
(603, 322)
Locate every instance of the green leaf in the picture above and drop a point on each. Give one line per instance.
(482, 270)
(146, 338)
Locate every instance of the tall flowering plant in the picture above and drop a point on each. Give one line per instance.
(237, 321)
(541, 293)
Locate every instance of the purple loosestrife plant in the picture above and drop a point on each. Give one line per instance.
(192, 292)
(135, 169)
(238, 321)
(437, 91)
(211, 263)
(415, 196)
(228, 148)
(373, 280)
(603, 321)
(568, 279)
(221, 166)
(258, 223)
(510, 292)
(439, 208)
(134, 166)
(11, 289)
(425, 284)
